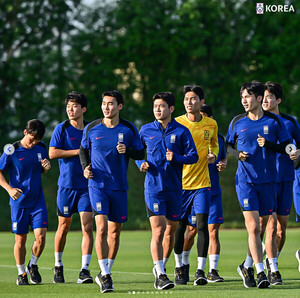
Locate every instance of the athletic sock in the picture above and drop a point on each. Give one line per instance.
(185, 256)
(21, 269)
(273, 264)
(110, 263)
(33, 260)
(278, 254)
(259, 267)
(103, 267)
(201, 263)
(58, 259)
(159, 267)
(85, 261)
(178, 260)
(248, 262)
(213, 262)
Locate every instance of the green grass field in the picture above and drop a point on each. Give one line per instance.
(132, 271)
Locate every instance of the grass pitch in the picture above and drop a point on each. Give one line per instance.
(132, 271)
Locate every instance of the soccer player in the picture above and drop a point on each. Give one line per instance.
(106, 146)
(196, 182)
(169, 146)
(286, 176)
(72, 194)
(215, 217)
(25, 166)
(256, 133)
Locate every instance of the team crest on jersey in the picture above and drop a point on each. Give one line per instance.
(173, 139)
(266, 129)
(39, 155)
(15, 225)
(206, 134)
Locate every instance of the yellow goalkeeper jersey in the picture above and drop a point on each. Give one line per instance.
(205, 136)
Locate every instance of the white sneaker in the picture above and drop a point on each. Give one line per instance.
(298, 258)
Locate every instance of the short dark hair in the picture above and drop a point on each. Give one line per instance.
(256, 88)
(168, 97)
(194, 88)
(77, 97)
(114, 93)
(35, 127)
(207, 110)
(274, 88)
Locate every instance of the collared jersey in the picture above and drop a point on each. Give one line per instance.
(24, 170)
(109, 167)
(213, 170)
(205, 135)
(164, 175)
(285, 166)
(260, 166)
(66, 137)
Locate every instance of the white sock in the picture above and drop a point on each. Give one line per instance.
(201, 263)
(259, 268)
(159, 267)
(185, 256)
(21, 269)
(110, 263)
(178, 260)
(213, 262)
(278, 254)
(58, 259)
(103, 267)
(273, 264)
(85, 261)
(33, 260)
(248, 262)
(165, 260)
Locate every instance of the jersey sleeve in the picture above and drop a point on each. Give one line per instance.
(222, 152)
(214, 143)
(5, 161)
(56, 138)
(296, 134)
(85, 144)
(282, 133)
(139, 162)
(136, 141)
(231, 134)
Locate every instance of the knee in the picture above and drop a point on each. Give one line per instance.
(158, 233)
(102, 232)
(87, 228)
(213, 235)
(253, 228)
(63, 229)
(281, 233)
(40, 240)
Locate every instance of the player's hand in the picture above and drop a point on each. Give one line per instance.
(46, 164)
(15, 193)
(87, 173)
(261, 140)
(121, 148)
(144, 167)
(243, 156)
(294, 155)
(169, 155)
(211, 158)
(221, 166)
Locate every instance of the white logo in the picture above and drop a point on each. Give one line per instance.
(120, 137)
(246, 203)
(15, 225)
(66, 209)
(290, 148)
(266, 129)
(155, 207)
(99, 206)
(9, 149)
(173, 139)
(39, 155)
(194, 220)
(259, 8)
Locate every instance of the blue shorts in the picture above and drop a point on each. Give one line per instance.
(70, 201)
(199, 199)
(259, 197)
(36, 217)
(112, 203)
(296, 191)
(284, 197)
(165, 203)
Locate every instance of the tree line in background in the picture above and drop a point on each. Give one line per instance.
(139, 47)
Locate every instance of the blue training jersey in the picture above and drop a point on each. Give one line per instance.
(109, 167)
(213, 170)
(66, 137)
(164, 175)
(260, 166)
(25, 170)
(285, 166)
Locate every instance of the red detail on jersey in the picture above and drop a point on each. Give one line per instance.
(123, 217)
(151, 137)
(287, 210)
(97, 138)
(22, 158)
(270, 210)
(220, 218)
(243, 129)
(175, 215)
(73, 139)
(44, 222)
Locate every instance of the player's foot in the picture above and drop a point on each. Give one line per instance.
(262, 281)
(275, 278)
(213, 276)
(179, 276)
(84, 277)
(298, 258)
(200, 279)
(105, 283)
(247, 275)
(58, 274)
(22, 280)
(163, 282)
(34, 274)
(186, 272)
(267, 267)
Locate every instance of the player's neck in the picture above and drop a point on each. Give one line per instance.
(194, 117)
(77, 123)
(275, 111)
(164, 123)
(111, 122)
(255, 114)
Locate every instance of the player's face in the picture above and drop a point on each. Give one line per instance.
(192, 102)
(74, 110)
(110, 107)
(29, 140)
(161, 110)
(249, 101)
(270, 103)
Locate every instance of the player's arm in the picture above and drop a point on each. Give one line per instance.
(135, 153)
(275, 147)
(14, 193)
(213, 147)
(222, 164)
(240, 155)
(60, 153)
(45, 165)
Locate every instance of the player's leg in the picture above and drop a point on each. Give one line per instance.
(114, 231)
(296, 195)
(282, 221)
(19, 254)
(169, 239)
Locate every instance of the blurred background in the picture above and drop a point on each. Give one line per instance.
(139, 47)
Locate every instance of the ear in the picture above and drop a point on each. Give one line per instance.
(278, 100)
(259, 98)
(83, 109)
(172, 108)
(202, 101)
(120, 106)
(25, 132)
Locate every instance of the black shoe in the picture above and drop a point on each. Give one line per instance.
(179, 276)
(34, 274)
(262, 281)
(22, 280)
(200, 279)
(85, 277)
(163, 283)
(105, 283)
(275, 278)
(267, 267)
(186, 272)
(214, 276)
(247, 275)
(58, 274)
